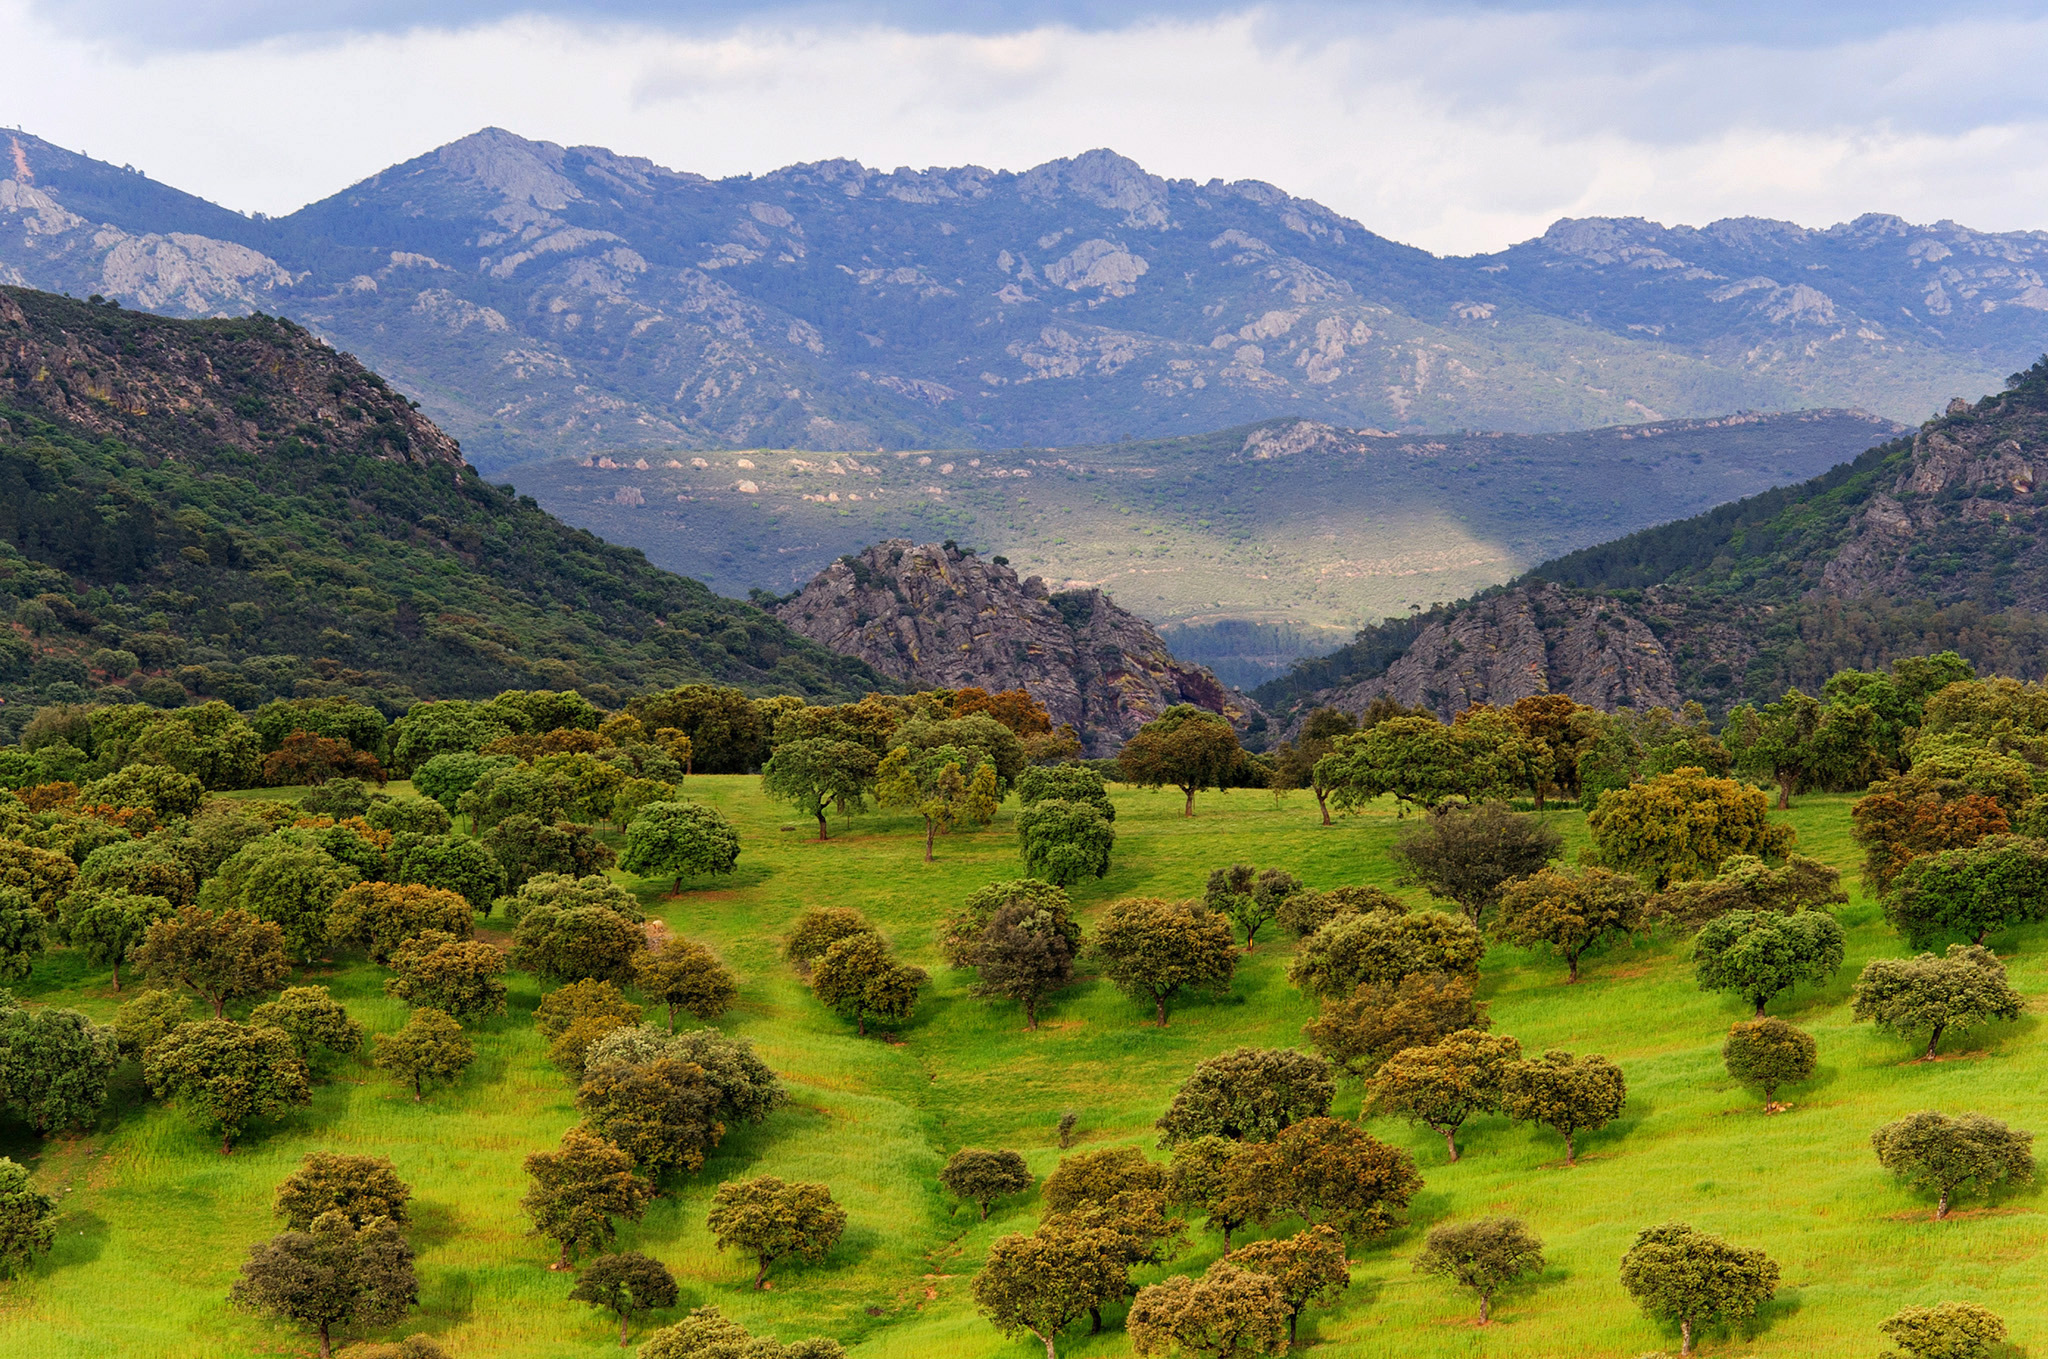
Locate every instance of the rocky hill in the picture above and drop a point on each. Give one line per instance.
(1933, 541)
(934, 616)
(233, 509)
(543, 299)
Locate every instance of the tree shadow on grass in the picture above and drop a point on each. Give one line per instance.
(1603, 1140)
(432, 1223)
(448, 1297)
(80, 1237)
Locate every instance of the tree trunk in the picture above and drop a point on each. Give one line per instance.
(1760, 1009)
(623, 1342)
(1572, 965)
(1050, 1352)
(416, 1090)
(1451, 1141)
(117, 974)
(326, 1345)
(1188, 810)
(821, 824)
(1685, 1336)
(227, 1147)
(1292, 1317)
(1323, 801)
(1982, 931)
(1485, 1306)
(761, 1274)
(931, 832)
(1571, 1155)
(1030, 1013)
(1933, 1042)
(219, 1004)
(860, 1026)
(1784, 794)
(671, 1019)
(562, 1260)
(1095, 1321)
(1159, 1009)
(1941, 1208)
(984, 1210)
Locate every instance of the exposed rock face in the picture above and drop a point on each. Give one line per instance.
(1523, 642)
(943, 618)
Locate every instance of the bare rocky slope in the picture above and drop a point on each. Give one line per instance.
(1933, 541)
(937, 617)
(543, 300)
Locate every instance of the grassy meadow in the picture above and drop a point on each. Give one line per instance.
(154, 1222)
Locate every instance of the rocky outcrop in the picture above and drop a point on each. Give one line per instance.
(1537, 640)
(943, 618)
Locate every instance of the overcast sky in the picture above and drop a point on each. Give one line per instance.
(1460, 128)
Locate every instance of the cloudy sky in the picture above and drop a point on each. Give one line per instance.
(1458, 127)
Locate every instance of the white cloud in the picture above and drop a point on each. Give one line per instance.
(1454, 131)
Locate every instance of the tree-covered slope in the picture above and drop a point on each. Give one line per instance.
(236, 509)
(1923, 543)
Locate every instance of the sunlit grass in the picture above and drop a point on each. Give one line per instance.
(155, 1221)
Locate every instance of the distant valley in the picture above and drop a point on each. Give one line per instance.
(541, 301)
(1249, 547)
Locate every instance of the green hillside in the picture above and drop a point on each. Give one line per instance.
(154, 1221)
(234, 510)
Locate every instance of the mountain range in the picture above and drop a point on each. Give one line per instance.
(1935, 540)
(541, 300)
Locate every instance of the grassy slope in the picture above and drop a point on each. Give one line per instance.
(155, 1221)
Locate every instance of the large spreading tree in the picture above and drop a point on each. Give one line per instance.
(1184, 747)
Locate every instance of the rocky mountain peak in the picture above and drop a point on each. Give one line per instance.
(933, 614)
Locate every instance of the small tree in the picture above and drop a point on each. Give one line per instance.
(332, 1275)
(228, 1073)
(360, 1188)
(1248, 1095)
(936, 783)
(1485, 1256)
(148, 1017)
(626, 1283)
(1184, 747)
(455, 862)
(1682, 825)
(707, 1334)
(1769, 1053)
(28, 1219)
(1566, 1094)
(686, 976)
(575, 1016)
(576, 943)
(314, 1020)
(1249, 897)
(1570, 912)
(818, 929)
(1995, 884)
(678, 840)
(578, 1190)
(1469, 854)
(458, 977)
(1099, 1176)
(1362, 1030)
(430, 1048)
(54, 1065)
(1326, 1171)
(858, 978)
(379, 916)
(1065, 842)
(1230, 1312)
(980, 1177)
(1947, 1330)
(1218, 1177)
(1043, 1283)
(1959, 991)
(1443, 1085)
(1152, 949)
(1757, 954)
(1678, 1274)
(1305, 912)
(1382, 947)
(222, 955)
(1948, 1155)
(294, 885)
(108, 926)
(812, 775)
(1294, 764)
(663, 1113)
(770, 1220)
(1309, 1268)
(1025, 953)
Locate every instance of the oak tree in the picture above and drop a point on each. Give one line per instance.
(1065, 842)
(663, 1113)
(1151, 949)
(379, 916)
(1570, 912)
(1469, 854)
(1952, 1155)
(1442, 1085)
(980, 1177)
(679, 840)
(859, 979)
(333, 1274)
(771, 1219)
(687, 976)
(1229, 1313)
(1757, 954)
(360, 1188)
(1360, 1031)
(1567, 1094)
(1683, 825)
(314, 1020)
(430, 1049)
(222, 955)
(1184, 747)
(1485, 1255)
(1043, 1283)
(1961, 990)
(1768, 1053)
(1947, 1330)
(1382, 947)
(227, 1072)
(1676, 1273)
(459, 977)
(578, 1190)
(1309, 1268)
(814, 774)
(28, 1219)
(625, 1283)
(1248, 1095)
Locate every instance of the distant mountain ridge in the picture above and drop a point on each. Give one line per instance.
(543, 300)
(1938, 540)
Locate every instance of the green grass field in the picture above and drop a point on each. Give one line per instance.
(154, 1221)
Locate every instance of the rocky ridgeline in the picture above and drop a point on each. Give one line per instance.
(939, 617)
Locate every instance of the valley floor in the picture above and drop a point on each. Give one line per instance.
(154, 1222)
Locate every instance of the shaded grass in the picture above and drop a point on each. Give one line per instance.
(155, 1222)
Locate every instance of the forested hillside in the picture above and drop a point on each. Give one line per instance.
(232, 509)
(1921, 544)
(542, 299)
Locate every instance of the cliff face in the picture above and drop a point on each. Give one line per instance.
(941, 618)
